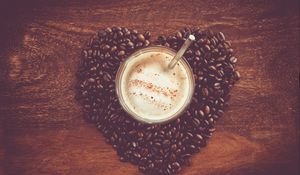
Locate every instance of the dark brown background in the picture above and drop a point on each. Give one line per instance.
(42, 130)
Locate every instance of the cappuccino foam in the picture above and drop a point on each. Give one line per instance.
(153, 91)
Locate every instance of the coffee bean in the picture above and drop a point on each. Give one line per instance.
(199, 137)
(201, 113)
(141, 37)
(207, 47)
(178, 35)
(120, 34)
(198, 53)
(160, 148)
(142, 169)
(221, 36)
(162, 40)
(101, 33)
(139, 45)
(108, 30)
(189, 134)
(196, 122)
(137, 155)
(134, 31)
(205, 92)
(206, 109)
(237, 75)
(166, 143)
(189, 52)
(158, 144)
(122, 159)
(113, 49)
(167, 44)
(185, 156)
(187, 162)
(121, 53)
(107, 55)
(106, 47)
(130, 45)
(91, 80)
(151, 165)
(233, 60)
(147, 43)
(147, 35)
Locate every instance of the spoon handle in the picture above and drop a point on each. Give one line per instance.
(181, 51)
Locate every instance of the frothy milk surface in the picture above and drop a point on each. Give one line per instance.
(150, 89)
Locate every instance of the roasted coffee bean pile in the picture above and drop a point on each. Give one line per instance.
(160, 148)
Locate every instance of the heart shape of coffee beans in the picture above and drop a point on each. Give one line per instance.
(159, 148)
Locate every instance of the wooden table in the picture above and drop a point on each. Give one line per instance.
(42, 129)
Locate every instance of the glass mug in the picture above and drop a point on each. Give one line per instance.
(151, 92)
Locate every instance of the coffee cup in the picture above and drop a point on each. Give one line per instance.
(151, 92)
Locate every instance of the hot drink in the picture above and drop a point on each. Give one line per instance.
(149, 90)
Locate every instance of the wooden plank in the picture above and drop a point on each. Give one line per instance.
(44, 132)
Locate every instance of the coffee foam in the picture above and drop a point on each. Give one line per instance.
(150, 89)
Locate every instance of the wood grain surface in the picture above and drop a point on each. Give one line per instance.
(42, 128)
